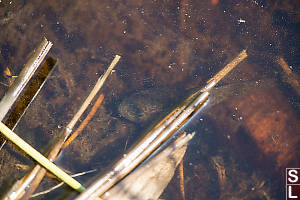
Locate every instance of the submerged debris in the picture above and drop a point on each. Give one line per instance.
(149, 180)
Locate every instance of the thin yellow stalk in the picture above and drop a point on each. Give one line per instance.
(9, 134)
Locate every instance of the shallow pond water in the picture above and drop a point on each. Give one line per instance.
(245, 136)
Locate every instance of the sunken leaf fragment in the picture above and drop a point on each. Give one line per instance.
(150, 179)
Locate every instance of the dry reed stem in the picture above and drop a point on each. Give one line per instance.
(290, 75)
(95, 90)
(23, 78)
(85, 121)
(220, 75)
(284, 66)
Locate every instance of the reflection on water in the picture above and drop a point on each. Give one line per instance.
(249, 125)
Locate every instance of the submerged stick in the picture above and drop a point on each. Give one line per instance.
(221, 74)
(95, 90)
(156, 136)
(37, 173)
(85, 121)
(181, 179)
(291, 79)
(25, 75)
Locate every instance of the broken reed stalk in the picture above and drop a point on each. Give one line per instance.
(29, 94)
(23, 78)
(85, 121)
(221, 74)
(36, 175)
(156, 136)
(97, 87)
(291, 79)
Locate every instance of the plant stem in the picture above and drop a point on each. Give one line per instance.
(25, 75)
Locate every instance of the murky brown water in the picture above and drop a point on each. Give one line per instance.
(163, 44)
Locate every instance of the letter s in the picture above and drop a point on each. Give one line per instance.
(293, 177)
